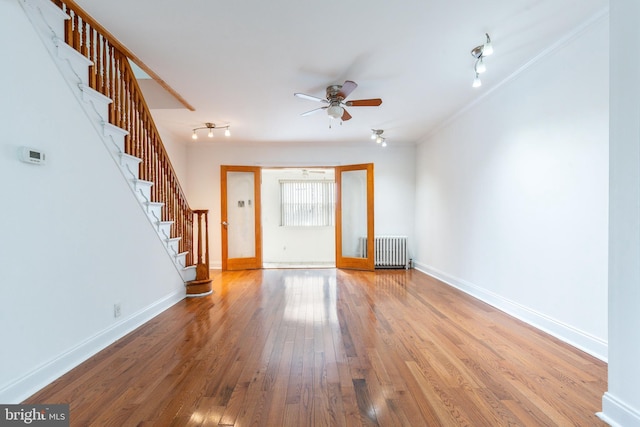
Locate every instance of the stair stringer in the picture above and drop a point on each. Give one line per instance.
(48, 21)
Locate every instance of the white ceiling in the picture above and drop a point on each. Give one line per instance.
(239, 62)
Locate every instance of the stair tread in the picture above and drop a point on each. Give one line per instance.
(129, 156)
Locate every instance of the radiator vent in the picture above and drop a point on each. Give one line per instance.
(389, 251)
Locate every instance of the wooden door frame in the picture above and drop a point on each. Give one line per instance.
(351, 262)
(251, 263)
(340, 261)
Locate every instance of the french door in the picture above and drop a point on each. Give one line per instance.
(241, 228)
(240, 218)
(354, 217)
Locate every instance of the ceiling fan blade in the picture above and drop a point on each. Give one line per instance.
(347, 88)
(345, 116)
(309, 97)
(314, 111)
(374, 102)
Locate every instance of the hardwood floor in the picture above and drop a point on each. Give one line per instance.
(329, 347)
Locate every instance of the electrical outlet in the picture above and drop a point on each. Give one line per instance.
(117, 311)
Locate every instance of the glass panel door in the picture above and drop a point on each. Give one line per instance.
(240, 213)
(354, 222)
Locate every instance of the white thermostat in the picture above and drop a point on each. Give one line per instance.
(32, 155)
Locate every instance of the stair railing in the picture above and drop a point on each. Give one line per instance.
(111, 74)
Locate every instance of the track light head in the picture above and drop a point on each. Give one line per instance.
(487, 49)
(480, 67)
(477, 82)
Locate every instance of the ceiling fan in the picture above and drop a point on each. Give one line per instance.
(335, 100)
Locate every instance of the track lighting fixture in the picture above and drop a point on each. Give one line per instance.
(210, 127)
(376, 135)
(479, 52)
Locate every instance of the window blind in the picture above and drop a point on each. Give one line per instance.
(307, 203)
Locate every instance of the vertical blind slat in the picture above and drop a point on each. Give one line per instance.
(306, 203)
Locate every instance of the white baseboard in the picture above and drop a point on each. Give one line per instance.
(617, 413)
(572, 336)
(35, 380)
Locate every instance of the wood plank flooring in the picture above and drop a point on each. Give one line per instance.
(329, 347)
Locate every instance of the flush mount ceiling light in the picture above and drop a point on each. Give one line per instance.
(480, 52)
(210, 128)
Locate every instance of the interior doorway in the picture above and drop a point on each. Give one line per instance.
(331, 208)
(309, 240)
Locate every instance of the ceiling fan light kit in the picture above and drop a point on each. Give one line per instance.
(480, 52)
(210, 128)
(335, 111)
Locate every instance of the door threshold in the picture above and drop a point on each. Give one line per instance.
(273, 265)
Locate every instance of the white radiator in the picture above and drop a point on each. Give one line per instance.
(389, 251)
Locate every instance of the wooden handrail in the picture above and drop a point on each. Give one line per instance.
(72, 5)
(112, 75)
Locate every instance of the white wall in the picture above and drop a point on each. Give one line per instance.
(293, 245)
(511, 201)
(621, 402)
(394, 169)
(177, 151)
(74, 240)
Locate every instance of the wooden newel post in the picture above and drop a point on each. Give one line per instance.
(202, 283)
(199, 253)
(206, 234)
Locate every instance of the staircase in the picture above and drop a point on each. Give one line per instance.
(163, 201)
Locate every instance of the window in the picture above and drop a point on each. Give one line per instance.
(307, 203)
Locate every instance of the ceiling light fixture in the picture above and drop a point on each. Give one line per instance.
(479, 52)
(376, 135)
(210, 127)
(480, 67)
(335, 111)
(476, 81)
(488, 46)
